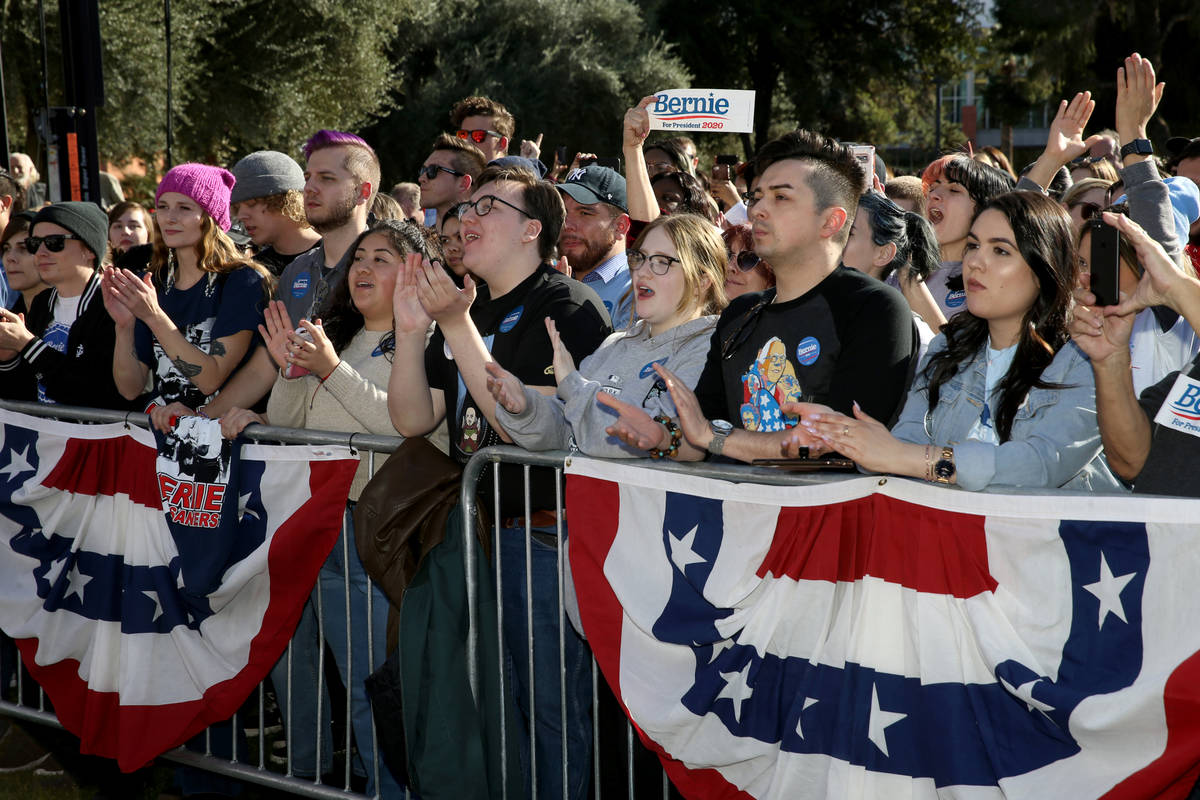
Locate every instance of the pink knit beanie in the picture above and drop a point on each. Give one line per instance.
(208, 186)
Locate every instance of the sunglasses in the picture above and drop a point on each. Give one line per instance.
(746, 260)
(478, 136)
(483, 206)
(54, 243)
(430, 171)
(741, 330)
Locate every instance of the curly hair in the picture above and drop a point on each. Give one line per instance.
(478, 106)
(343, 320)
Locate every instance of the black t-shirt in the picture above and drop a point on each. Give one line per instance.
(276, 261)
(514, 329)
(848, 338)
(1170, 464)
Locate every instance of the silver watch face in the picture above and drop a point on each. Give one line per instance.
(721, 427)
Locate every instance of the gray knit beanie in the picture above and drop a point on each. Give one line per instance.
(85, 220)
(265, 173)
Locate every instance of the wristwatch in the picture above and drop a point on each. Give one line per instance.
(943, 468)
(1140, 147)
(721, 430)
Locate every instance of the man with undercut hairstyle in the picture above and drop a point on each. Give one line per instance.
(448, 176)
(268, 199)
(824, 334)
(340, 181)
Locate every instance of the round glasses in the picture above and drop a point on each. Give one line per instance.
(483, 206)
(659, 264)
(746, 260)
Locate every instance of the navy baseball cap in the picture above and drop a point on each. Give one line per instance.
(595, 184)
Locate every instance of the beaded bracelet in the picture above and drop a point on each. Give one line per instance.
(676, 436)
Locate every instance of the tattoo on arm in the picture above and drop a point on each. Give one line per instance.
(216, 348)
(188, 370)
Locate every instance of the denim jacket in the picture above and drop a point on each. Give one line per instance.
(1055, 441)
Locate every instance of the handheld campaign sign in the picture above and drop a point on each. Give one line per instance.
(725, 110)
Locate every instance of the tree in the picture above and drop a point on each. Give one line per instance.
(1075, 45)
(861, 72)
(567, 70)
(247, 74)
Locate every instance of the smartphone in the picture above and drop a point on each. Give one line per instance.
(864, 154)
(723, 169)
(560, 155)
(292, 370)
(1105, 263)
(611, 163)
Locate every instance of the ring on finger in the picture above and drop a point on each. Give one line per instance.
(845, 430)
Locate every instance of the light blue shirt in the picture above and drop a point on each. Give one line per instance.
(611, 280)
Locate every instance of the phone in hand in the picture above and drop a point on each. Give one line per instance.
(1105, 262)
(292, 370)
(560, 156)
(723, 169)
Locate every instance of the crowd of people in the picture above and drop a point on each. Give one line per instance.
(939, 326)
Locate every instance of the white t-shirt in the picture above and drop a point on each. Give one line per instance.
(66, 310)
(998, 362)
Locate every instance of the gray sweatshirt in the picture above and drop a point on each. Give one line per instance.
(623, 367)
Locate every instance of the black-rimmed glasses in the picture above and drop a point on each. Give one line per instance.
(430, 171)
(483, 206)
(659, 263)
(54, 242)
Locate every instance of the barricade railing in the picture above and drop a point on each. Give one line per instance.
(282, 777)
(267, 768)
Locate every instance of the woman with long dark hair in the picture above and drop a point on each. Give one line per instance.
(1004, 397)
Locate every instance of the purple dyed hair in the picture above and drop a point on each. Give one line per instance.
(327, 138)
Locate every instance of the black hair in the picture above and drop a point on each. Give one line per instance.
(1043, 233)
(982, 181)
(916, 243)
(343, 319)
(10, 187)
(1059, 184)
(695, 199)
(836, 177)
(679, 158)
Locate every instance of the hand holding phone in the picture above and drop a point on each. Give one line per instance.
(1104, 261)
(293, 370)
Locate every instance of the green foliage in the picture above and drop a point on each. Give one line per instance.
(565, 69)
(247, 74)
(862, 72)
(1074, 45)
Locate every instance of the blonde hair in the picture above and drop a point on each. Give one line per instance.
(701, 253)
(215, 252)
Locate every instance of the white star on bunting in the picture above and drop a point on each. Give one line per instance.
(1108, 591)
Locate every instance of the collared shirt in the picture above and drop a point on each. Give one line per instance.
(611, 280)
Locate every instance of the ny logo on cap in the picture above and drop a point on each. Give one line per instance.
(576, 174)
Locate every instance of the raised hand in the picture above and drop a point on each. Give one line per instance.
(317, 356)
(122, 317)
(1161, 280)
(564, 364)
(636, 125)
(531, 149)
(1100, 337)
(440, 298)
(1138, 97)
(1066, 141)
(506, 388)
(407, 313)
(276, 331)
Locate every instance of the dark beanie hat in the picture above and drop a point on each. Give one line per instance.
(85, 220)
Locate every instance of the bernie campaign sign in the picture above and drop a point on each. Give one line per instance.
(716, 110)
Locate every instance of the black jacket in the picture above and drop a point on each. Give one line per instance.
(80, 376)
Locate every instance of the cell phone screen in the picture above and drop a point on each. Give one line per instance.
(1105, 263)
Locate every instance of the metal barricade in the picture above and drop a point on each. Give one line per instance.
(269, 767)
(637, 779)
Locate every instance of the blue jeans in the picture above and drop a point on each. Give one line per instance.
(575, 668)
(330, 596)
